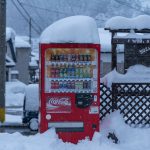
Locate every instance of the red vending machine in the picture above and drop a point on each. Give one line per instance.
(70, 94)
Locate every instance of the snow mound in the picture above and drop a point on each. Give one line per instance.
(32, 97)
(15, 93)
(74, 29)
(119, 22)
(137, 74)
(130, 138)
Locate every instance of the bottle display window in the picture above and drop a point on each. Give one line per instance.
(71, 70)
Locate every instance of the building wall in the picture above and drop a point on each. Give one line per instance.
(22, 64)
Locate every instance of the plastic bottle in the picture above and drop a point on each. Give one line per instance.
(65, 75)
(57, 71)
(61, 72)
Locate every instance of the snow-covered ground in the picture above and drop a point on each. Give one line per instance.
(129, 138)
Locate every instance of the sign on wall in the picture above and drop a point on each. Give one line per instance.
(137, 54)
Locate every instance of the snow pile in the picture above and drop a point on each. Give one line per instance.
(74, 29)
(10, 34)
(15, 93)
(137, 73)
(130, 138)
(32, 97)
(118, 22)
(20, 43)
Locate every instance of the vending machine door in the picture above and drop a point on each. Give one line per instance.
(70, 90)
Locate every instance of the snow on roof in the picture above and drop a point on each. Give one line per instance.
(134, 36)
(20, 43)
(119, 22)
(74, 29)
(14, 72)
(10, 34)
(9, 61)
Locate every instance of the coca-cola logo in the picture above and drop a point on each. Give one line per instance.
(57, 101)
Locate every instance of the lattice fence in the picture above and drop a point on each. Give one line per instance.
(105, 101)
(133, 101)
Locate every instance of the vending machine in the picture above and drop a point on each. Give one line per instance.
(70, 90)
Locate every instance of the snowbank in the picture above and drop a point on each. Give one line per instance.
(118, 22)
(74, 29)
(130, 138)
(137, 73)
(15, 93)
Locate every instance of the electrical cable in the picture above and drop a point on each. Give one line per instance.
(29, 15)
(26, 19)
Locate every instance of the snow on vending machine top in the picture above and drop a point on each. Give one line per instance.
(70, 79)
